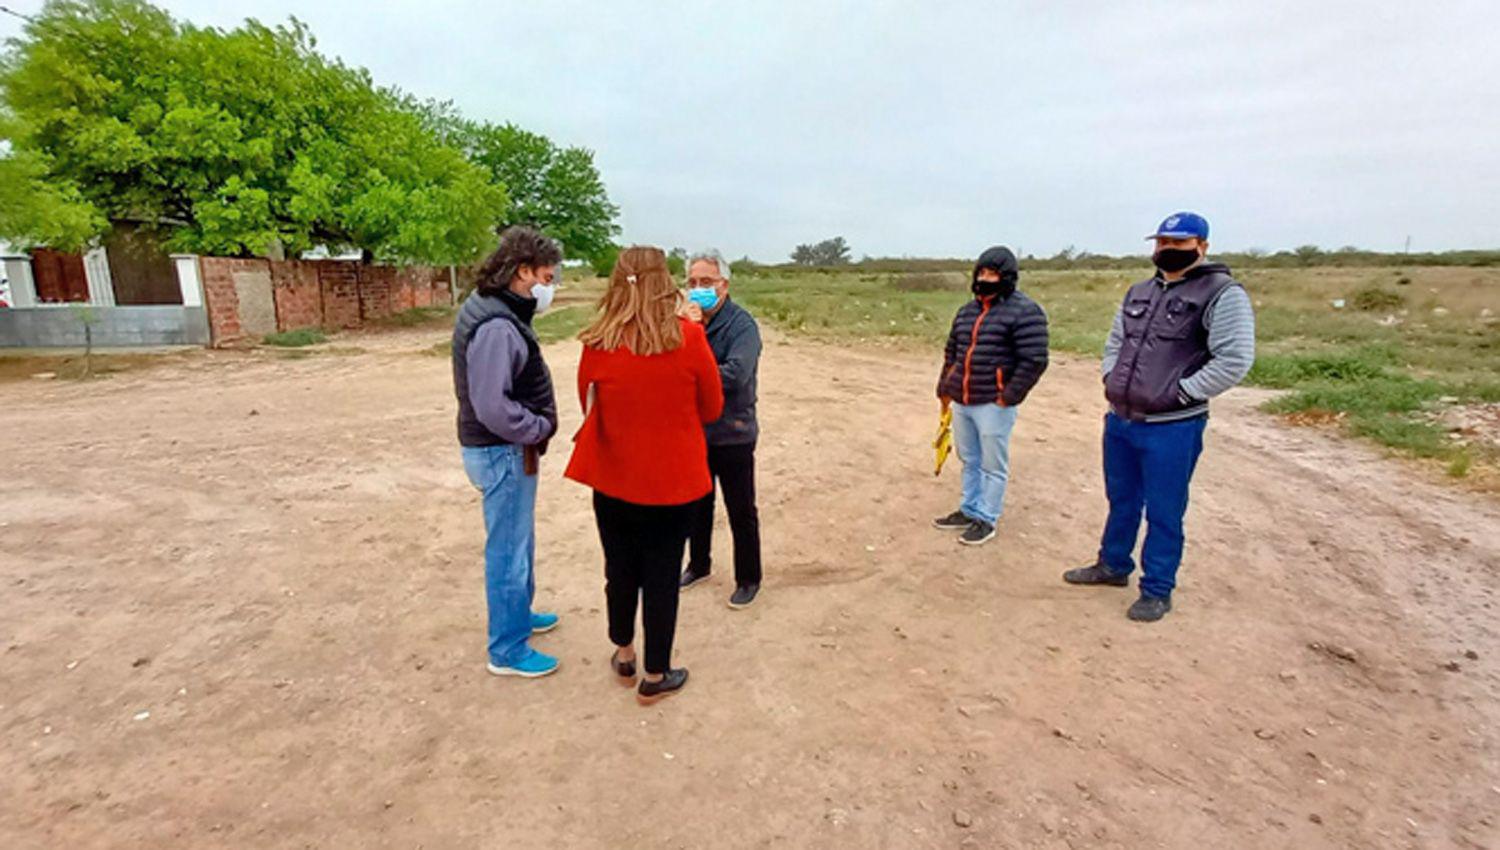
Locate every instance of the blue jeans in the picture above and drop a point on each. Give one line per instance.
(1148, 466)
(981, 433)
(509, 546)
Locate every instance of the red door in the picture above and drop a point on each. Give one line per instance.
(59, 277)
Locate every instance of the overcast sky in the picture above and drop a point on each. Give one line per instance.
(935, 129)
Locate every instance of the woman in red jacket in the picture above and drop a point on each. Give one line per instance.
(648, 383)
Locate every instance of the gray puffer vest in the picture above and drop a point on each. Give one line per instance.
(532, 387)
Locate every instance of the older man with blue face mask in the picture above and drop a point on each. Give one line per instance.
(735, 339)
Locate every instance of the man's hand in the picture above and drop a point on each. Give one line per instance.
(692, 312)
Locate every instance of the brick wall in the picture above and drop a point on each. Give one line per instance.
(439, 288)
(375, 285)
(299, 298)
(404, 291)
(340, 282)
(220, 298)
(333, 294)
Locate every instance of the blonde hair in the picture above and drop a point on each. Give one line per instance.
(639, 309)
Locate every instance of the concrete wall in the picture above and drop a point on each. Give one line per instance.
(50, 327)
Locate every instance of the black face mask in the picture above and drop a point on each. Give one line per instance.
(987, 288)
(1173, 260)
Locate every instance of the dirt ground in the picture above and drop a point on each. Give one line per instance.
(243, 608)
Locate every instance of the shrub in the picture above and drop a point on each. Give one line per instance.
(1459, 466)
(1372, 298)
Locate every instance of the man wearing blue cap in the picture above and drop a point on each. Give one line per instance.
(1180, 338)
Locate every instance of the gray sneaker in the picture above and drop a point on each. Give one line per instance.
(978, 533)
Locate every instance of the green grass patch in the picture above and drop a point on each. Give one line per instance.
(1381, 364)
(562, 323)
(296, 338)
(1285, 371)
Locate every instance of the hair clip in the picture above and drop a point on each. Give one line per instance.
(630, 278)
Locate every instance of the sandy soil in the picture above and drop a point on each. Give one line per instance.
(279, 561)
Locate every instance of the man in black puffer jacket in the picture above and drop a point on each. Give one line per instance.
(997, 351)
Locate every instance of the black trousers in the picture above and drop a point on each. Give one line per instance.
(642, 558)
(733, 467)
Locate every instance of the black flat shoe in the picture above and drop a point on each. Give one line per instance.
(671, 682)
(625, 670)
(1096, 574)
(743, 596)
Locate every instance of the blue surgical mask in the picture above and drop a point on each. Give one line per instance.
(704, 296)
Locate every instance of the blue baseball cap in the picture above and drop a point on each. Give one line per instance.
(1182, 225)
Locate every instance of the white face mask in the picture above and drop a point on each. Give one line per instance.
(543, 293)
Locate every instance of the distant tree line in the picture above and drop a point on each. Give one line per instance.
(1304, 256)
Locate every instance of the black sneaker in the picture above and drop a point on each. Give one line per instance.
(670, 683)
(1149, 609)
(956, 521)
(690, 578)
(1096, 574)
(978, 532)
(743, 596)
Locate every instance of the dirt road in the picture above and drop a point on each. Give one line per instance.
(278, 560)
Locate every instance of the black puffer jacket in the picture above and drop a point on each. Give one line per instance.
(997, 349)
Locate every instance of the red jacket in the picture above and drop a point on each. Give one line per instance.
(642, 440)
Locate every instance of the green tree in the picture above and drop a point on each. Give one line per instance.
(603, 260)
(829, 252)
(234, 141)
(1308, 254)
(35, 210)
(553, 188)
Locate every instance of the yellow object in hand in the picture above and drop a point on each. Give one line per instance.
(943, 444)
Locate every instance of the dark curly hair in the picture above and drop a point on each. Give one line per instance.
(519, 246)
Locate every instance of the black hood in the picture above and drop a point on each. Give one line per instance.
(1002, 260)
(523, 307)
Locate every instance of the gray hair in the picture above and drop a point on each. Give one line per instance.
(710, 255)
